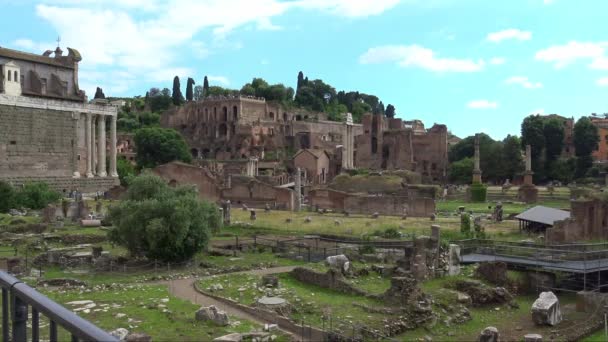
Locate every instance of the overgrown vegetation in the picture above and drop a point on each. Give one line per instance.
(161, 222)
(156, 146)
(33, 195)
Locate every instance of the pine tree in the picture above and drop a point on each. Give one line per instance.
(189, 90)
(178, 98)
(390, 111)
(205, 87)
(300, 81)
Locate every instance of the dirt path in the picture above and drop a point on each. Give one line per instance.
(184, 289)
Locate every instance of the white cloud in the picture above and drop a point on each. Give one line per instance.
(498, 61)
(602, 82)
(497, 37)
(563, 55)
(420, 57)
(524, 82)
(482, 104)
(147, 37)
(219, 79)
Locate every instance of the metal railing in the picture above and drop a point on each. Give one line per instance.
(21, 297)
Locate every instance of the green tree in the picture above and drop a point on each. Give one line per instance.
(36, 195)
(177, 96)
(533, 134)
(99, 94)
(7, 197)
(162, 223)
(156, 146)
(513, 162)
(336, 112)
(390, 111)
(300, 81)
(586, 140)
(198, 93)
(563, 170)
(189, 90)
(125, 170)
(460, 172)
(553, 131)
(159, 100)
(147, 119)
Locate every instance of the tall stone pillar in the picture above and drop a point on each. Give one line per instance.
(75, 168)
(528, 174)
(101, 148)
(94, 144)
(113, 171)
(348, 143)
(477, 168)
(298, 186)
(88, 143)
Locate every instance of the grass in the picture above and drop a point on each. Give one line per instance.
(310, 301)
(149, 309)
(249, 260)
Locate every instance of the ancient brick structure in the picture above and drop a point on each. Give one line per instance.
(588, 221)
(400, 204)
(178, 173)
(315, 163)
(50, 133)
(394, 144)
(242, 126)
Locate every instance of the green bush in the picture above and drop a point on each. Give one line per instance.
(36, 195)
(478, 192)
(161, 222)
(7, 197)
(465, 223)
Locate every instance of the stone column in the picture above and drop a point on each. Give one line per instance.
(101, 148)
(477, 169)
(76, 119)
(88, 143)
(113, 172)
(298, 186)
(528, 174)
(94, 144)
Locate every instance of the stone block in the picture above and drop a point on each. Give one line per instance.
(546, 310)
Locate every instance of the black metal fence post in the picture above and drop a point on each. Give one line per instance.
(19, 317)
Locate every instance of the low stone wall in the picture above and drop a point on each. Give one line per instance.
(66, 184)
(311, 333)
(330, 280)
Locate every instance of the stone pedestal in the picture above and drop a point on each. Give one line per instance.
(476, 176)
(528, 193)
(528, 178)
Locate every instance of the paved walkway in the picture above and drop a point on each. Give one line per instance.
(184, 289)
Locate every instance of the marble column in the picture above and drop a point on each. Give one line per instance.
(477, 168)
(89, 146)
(94, 144)
(528, 175)
(298, 188)
(113, 172)
(101, 148)
(76, 119)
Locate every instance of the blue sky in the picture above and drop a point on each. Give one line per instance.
(475, 65)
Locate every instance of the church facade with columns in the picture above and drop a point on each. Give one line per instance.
(48, 130)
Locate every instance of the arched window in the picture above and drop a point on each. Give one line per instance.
(9, 75)
(271, 115)
(225, 114)
(235, 113)
(16, 78)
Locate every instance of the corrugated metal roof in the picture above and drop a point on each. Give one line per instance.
(543, 215)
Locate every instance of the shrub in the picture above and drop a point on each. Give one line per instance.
(36, 195)
(391, 233)
(465, 223)
(478, 192)
(7, 197)
(161, 222)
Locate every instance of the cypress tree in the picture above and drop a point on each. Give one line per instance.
(99, 94)
(178, 98)
(205, 87)
(189, 90)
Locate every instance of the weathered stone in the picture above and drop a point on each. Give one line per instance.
(336, 261)
(234, 337)
(307, 219)
(546, 310)
(375, 215)
(90, 223)
(533, 338)
(489, 334)
(270, 280)
(138, 337)
(403, 291)
(211, 313)
(252, 215)
(120, 333)
(494, 272)
(454, 260)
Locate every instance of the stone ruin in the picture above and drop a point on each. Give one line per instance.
(213, 314)
(546, 310)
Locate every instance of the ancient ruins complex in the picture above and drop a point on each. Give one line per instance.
(48, 132)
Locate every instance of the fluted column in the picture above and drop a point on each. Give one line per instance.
(113, 172)
(94, 144)
(76, 171)
(89, 146)
(101, 148)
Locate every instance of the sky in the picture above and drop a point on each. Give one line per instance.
(474, 65)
